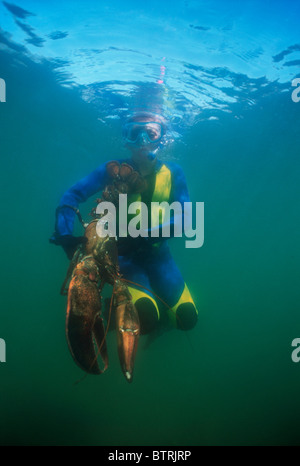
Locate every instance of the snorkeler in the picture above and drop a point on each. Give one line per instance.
(146, 261)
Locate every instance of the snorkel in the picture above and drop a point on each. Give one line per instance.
(153, 154)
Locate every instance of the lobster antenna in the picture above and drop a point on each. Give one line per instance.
(106, 330)
(147, 289)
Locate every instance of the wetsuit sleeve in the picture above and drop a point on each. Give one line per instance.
(80, 192)
(179, 190)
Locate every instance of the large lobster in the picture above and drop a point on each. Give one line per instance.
(94, 264)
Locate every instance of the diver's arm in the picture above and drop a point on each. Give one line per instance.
(80, 192)
(179, 190)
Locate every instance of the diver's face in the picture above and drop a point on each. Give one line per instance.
(143, 138)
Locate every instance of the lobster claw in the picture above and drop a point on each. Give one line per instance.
(84, 325)
(128, 330)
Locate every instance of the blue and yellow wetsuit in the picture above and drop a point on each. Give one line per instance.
(148, 262)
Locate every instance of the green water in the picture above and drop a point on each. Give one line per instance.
(231, 380)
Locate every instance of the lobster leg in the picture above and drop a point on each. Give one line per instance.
(84, 323)
(128, 328)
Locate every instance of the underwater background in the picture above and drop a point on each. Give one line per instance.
(221, 72)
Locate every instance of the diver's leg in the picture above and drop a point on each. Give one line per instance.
(141, 296)
(167, 282)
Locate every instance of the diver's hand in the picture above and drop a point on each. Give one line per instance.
(69, 243)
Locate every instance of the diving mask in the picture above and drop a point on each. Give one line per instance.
(142, 133)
